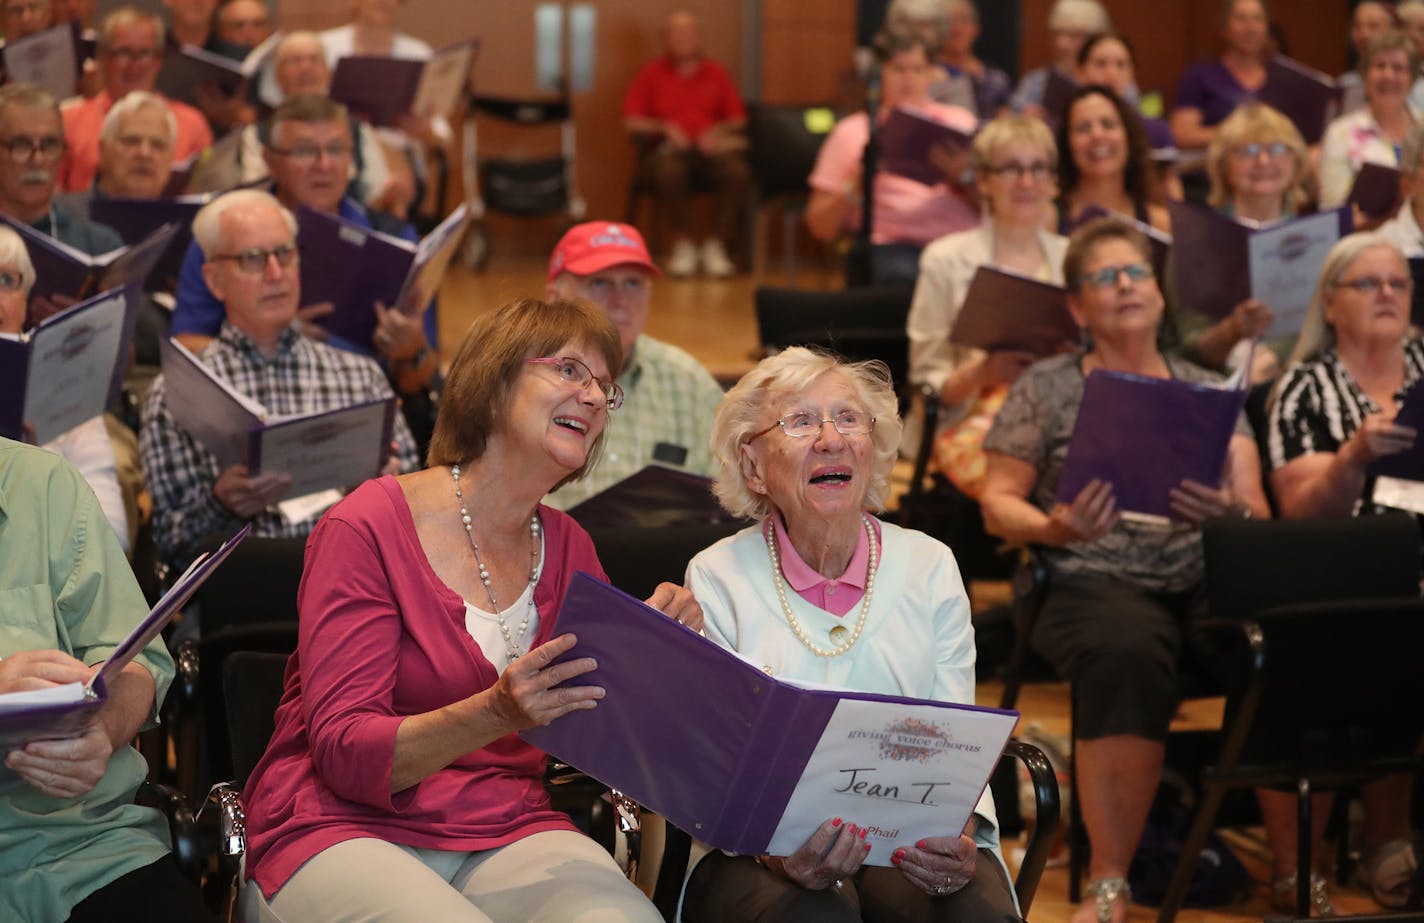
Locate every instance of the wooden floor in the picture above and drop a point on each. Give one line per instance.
(715, 322)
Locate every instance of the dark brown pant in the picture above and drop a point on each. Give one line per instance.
(676, 175)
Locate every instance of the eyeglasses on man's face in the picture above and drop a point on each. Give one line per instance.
(573, 372)
(254, 259)
(1038, 170)
(1107, 276)
(128, 54)
(311, 153)
(23, 148)
(801, 424)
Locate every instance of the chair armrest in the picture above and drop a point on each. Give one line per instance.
(930, 404)
(182, 825)
(1045, 828)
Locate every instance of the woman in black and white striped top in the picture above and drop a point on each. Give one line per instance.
(1332, 413)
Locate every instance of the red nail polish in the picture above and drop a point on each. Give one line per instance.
(897, 856)
(863, 832)
(836, 822)
(920, 844)
(867, 847)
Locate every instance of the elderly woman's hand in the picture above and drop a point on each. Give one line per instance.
(1377, 437)
(525, 696)
(938, 865)
(1197, 503)
(1090, 516)
(834, 852)
(677, 603)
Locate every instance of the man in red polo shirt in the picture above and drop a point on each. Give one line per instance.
(130, 55)
(688, 117)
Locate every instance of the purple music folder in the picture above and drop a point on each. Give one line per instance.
(1145, 436)
(1409, 464)
(1058, 89)
(1213, 259)
(352, 268)
(1304, 95)
(688, 729)
(906, 139)
(57, 720)
(1006, 311)
(1376, 190)
(136, 219)
(376, 88)
(66, 271)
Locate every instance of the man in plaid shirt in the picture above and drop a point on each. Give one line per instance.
(249, 241)
(669, 398)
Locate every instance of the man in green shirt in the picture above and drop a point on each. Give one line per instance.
(73, 845)
(669, 398)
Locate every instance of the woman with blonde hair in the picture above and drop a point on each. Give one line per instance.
(1258, 166)
(1331, 416)
(1016, 169)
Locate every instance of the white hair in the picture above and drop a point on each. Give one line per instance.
(744, 409)
(1086, 16)
(207, 224)
(133, 101)
(14, 253)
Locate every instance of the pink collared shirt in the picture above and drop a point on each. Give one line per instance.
(837, 595)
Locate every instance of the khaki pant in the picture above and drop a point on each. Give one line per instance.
(553, 877)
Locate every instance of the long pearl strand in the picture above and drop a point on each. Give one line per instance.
(513, 650)
(871, 567)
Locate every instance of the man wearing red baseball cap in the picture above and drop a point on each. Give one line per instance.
(669, 398)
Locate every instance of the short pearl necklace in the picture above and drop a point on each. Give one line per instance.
(513, 651)
(838, 633)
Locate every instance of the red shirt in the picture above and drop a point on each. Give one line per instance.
(695, 103)
(381, 637)
(82, 120)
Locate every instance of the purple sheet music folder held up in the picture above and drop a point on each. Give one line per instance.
(57, 720)
(721, 749)
(906, 139)
(1145, 435)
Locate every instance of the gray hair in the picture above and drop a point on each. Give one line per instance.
(130, 16)
(1410, 10)
(207, 224)
(131, 103)
(744, 408)
(1086, 16)
(1316, 335)
(920, 15)
(14, 253)
(292, 38)
(30, 96)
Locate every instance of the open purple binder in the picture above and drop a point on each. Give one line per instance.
(1146, 435)
(691, 730)
(906, 139)
(1409, 464)
(59, 720)
(352, 267)
(1376, 189)
(63, 270)
(1006, 311)
(1304, 95)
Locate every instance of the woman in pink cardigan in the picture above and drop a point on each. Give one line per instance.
(395, 786)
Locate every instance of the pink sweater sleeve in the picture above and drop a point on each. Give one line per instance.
(348, 642)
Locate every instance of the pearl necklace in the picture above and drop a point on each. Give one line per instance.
(512, 649)
(839, 632)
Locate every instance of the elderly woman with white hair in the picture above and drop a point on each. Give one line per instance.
(954, 26)
(821, 591)
(1070, 24)
(87, 446)
(1331, 416)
